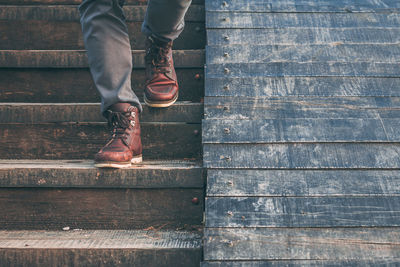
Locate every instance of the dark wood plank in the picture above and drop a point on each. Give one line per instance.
(302, 244)
(345, 263)
(376, 211)
(257, 20)
(76, 112)
(303, 156)
(233, 108)
(53, 209)
(300, 183)
(306, 69)
(64, 35)
(83, 174)
(100, 248)
(78, 59)
(304, 6)
(83, 140)
(44, 86)
(302, 86)
(301, 130)
(294, 36)
(73, 2)
(302, 53)
(71, 13)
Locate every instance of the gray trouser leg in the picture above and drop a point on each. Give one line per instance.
(106, 40)
(165, 18)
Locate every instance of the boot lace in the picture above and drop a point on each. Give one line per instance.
(118, 122)
(157, 56)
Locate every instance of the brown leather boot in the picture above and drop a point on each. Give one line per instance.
(125, 146)
(161, 83)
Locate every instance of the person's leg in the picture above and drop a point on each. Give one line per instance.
(163, 23)
(165, 18)
(110, 60)
(106, 39)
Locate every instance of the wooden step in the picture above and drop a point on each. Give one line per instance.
(268, 20)
(58, 27)
(40, 194)
(346, 6)
(80, 135)
(153, 248)
(290, 106)
(276, 244)
(35, 76)
(294, 36)
(73, 2)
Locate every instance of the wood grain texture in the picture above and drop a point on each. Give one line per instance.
(32, 113)
(301, 107)
(100, 248)
(83, 174)
(306, 69)
(268, 263)
(303, 53)
(302, 86)
(301, 130)
(257, 20)
(302, 183)
(83, 140)
(347, 6)
(294, 36)
(78, 59)
(303, 156)
(44, 86)
(325, 211)
(53, 209)
(302, 244)
(134, 13)
(74, 2)
(65, 35)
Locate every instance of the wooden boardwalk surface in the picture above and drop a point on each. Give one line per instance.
(301, 133)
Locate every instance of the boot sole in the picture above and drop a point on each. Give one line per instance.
(160, 104)
(119, 165)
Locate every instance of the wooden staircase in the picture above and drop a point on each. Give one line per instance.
(56, 209)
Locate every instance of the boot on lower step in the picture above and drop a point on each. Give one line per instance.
(161, 89)
(125, 146)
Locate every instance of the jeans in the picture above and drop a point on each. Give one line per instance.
(106, 39)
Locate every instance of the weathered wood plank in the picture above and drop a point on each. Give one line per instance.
(304, 86)
(43, 85)
(300, 69)
(257, 20)
(70, 13)
(304, 263)
(302, 53)
(301, 107)
(77, 112)
(294, 36)
(304, 6)
(322, 211)
(303, 156)
(52, 208)
(83, 140)
(83, 174)
(302, 244)
(101, 248)
(65, 35)
(301, 130)
(300, 183)
(78, 59)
